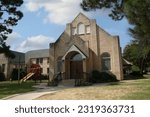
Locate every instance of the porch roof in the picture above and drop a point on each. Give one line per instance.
(76, 49)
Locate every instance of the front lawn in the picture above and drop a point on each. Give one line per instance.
(144, 90)
(127, 89)
(8, 88)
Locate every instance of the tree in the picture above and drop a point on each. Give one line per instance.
(137, 56)
(9, 16)
(116, 7)
(136, 11)
(138, 14)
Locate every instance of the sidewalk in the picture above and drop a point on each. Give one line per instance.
(42, 89)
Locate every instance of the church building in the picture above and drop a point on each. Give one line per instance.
(82, 48)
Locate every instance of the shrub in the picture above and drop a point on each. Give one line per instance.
(101, 77)
(108, 77)
(135, 68)
(82, 82)
(136, 73)
(2, 76)
(95, 76)
(14, 74)
(54, 82)
(40, 77)
(43, 77)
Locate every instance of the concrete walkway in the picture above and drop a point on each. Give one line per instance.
(42, 89)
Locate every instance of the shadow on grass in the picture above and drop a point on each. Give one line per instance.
(131, 77)
(114, 83)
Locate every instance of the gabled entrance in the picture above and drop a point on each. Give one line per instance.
(74, 65)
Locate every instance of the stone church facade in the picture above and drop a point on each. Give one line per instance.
(84, 47)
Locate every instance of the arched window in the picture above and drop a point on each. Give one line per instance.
(76, 57)
(81, 28)
(106, 63)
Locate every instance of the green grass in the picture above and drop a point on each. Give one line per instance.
(129, 90)
(124, 90)
(144, 90)
(8, 88)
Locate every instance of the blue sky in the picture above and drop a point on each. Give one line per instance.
(45, 20)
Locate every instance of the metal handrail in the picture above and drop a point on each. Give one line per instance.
(79, 78)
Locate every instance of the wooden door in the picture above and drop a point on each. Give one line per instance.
(76, 69)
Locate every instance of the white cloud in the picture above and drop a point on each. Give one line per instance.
(13, 37)
(35, 42)
(58, 11)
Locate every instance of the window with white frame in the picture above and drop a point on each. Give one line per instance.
(81, 28)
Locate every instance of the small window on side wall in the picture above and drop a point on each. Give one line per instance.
(41, 60)
(106, 61)
(37, 61)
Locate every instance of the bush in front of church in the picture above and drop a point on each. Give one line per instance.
(2, 76)
(54, 82)
(102, 77)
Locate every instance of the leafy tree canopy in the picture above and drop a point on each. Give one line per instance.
(138, 14)
(116, 7)
(136, 11)
(9, 16)
(137, 55)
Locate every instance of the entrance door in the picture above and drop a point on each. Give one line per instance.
(76, 69)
